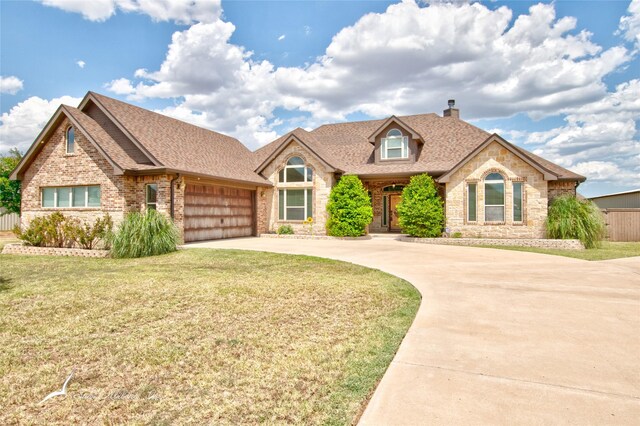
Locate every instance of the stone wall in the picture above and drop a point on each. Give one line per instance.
(52, 251)
(496, 158)
(523, 242)
(268, 203)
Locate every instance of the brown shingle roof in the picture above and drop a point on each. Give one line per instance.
(177, 145)
(447, 140)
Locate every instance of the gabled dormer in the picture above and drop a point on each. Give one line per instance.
(395, 142)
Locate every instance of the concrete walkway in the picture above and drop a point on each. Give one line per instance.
(501, 337)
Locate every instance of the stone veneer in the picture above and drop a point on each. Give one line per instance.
(496, 158)
(119, 194)
(52, 251)
(267, 215)
(528, 242)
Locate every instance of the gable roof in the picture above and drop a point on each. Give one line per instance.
(136, 140)
(400, 123)
(447, 141)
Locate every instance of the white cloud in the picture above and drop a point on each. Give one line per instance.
(10, 85)
(20, 126)
(120, 86)
(409, 59)
(81, 63)
(180, 11)
(307, 30)
(282, 37)
(630, 24)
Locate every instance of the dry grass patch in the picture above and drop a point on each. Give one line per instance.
(198, 336)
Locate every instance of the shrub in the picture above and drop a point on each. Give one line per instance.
(570, 218)
(285, 230)
(33, 235)
(89, 236)
(421, 211)
(55, 230)
(456, 235)
(147, 234)
(349, 208)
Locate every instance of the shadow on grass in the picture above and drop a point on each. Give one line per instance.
(5, 283)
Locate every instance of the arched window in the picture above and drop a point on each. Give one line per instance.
(71, 141)
(394, 146)
(295, 191)
(494, 198)
(295, 171)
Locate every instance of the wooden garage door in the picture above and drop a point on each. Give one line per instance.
(213, 212)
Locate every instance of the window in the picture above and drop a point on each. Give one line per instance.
(494, 198)
(152, 196)
(517, 201)
(71, 196)
(394, 146)
(295, 204)
(393, 188)
(385, 210)
(71, 141)
(472, 202)
(295, 171)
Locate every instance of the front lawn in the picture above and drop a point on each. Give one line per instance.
(7, 237)
(608, 250)
(197, 336)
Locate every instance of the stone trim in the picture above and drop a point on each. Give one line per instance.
(523, 242)
(52, 251)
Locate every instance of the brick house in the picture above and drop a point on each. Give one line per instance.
(109, 156)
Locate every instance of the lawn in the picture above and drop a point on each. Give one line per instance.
(608, 250)
(6, 238)
(197, 336)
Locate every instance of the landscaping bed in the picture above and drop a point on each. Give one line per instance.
(312, 237)
(19, 248)
(197, 336)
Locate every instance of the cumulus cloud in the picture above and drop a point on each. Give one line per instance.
(630, 24)
(282, 37)
(10, 85)
(81, 63)
(180, 11)
(600, 139)
(20, 126)
(408, 59)
(120, 86)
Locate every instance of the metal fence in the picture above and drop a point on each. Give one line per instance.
(8, 221)
(623, 224)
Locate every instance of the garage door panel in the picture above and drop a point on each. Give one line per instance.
(215, 212)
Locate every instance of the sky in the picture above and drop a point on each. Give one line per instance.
(560, 79)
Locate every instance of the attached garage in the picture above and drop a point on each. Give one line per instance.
(213, 212)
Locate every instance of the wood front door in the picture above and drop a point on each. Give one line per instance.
(394, 199)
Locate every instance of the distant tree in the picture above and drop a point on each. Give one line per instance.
(421, 210)
(9, 189)
(349, 208)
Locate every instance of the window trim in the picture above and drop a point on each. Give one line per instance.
(307, 205)
(147, 203)
(513, 198)
(307, 171)
(71, 199)
(404, 146)
(70, 129)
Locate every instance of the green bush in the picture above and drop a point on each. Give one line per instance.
(147, 234)
(285, 230)
(58, 230)
(570, 218)
(421, 211)
(349, 208)
(33, 235)
(89, 236)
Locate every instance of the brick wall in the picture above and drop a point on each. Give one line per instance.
(376, 187)
(496, 158)
(558, 188)
(268, 204)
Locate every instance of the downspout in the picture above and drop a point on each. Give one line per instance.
(173, 195)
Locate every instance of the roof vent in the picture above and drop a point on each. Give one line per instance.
(451, 112)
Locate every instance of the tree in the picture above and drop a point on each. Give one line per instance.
(9, 189)
(349, 208)
(421, 211)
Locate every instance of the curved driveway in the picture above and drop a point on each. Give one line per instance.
(501, 337)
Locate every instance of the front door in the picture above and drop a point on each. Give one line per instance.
(394, 199)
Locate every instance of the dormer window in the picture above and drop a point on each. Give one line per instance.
(71, 141)
(295, 171)
(394, 146)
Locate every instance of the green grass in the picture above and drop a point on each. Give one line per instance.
(196, 336)
(608, 250)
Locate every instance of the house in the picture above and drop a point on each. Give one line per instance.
(109, 156)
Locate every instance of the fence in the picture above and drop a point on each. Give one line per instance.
(623, 224)
(8, 221)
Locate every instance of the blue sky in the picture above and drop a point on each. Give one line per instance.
(560, 79)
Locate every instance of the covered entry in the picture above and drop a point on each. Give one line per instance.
(214, 212)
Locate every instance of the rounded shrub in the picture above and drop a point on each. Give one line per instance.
(421, 211)
(147, 234)
(349, 208)
(572, 219)
(285, 230)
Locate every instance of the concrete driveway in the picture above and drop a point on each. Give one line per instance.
(501, 337)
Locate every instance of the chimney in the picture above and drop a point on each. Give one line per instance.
(451, 111)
